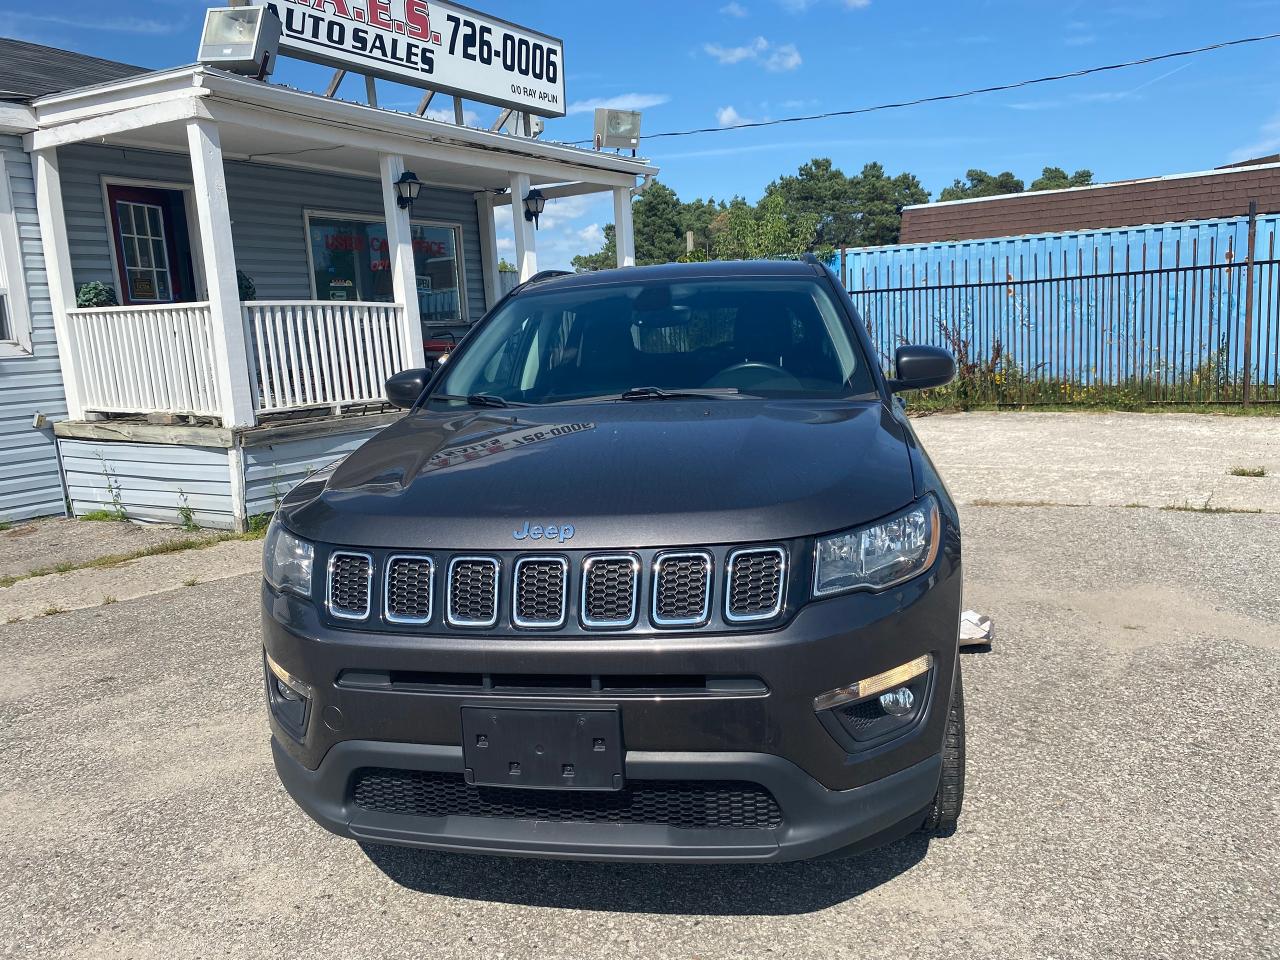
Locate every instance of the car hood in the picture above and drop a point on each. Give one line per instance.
(642, 474)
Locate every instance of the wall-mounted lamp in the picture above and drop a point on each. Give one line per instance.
(534, 204)
(407, 189)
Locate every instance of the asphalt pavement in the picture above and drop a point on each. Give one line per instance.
(1124, 776)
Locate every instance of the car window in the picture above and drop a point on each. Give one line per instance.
(760, 336)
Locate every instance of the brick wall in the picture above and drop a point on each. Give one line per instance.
(1125, 204)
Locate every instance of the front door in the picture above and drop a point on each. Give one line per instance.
(153, 248)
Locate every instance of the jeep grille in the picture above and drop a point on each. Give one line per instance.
(473, 592)
(609, 586)
(350, 576)
(755, 584)
(540, 587)
(408, 586)
(681, 589)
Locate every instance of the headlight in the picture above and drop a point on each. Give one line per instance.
(286, 560)
(880, 555)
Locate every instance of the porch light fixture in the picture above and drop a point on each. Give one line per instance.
(241, 39)
(534, 204)
(407, 189)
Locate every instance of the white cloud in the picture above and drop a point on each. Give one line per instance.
(778, 59)
(785, 58)
(113, 24)
(570, 226)
(1268, 142)
(624, 101)
(592, 236)
(730, 117)
(734, 10)
(445, 115)
(731, 55)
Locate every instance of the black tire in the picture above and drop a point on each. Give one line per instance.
(944, 812)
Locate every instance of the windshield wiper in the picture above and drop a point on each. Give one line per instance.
(480, 400)
(657, 393)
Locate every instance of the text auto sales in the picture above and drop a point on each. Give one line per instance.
(414, 39)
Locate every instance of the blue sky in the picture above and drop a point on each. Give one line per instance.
(712, 63)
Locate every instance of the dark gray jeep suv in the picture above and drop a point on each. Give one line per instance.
(654, 568)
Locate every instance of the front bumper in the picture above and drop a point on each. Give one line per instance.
(831, 795)
(818, 821)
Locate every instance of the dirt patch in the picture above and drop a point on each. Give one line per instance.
(55, 541)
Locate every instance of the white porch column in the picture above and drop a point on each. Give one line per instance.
(57, 268)
(218, 252)
(404, 275)
(488, 248)
(526, 243)
(623, 227)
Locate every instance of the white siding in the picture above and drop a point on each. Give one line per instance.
(29, 484)
(151, 481)
(267, 213)
(272, 470)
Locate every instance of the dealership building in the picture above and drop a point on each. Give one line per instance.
(274, 255)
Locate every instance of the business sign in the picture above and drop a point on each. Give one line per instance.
(439, 46)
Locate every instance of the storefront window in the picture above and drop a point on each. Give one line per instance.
(352, 261)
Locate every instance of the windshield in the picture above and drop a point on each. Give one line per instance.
(723, 336)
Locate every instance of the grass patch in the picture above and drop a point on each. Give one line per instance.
(983, 502)
(1248, 471)
(117, 559)
(102, 516)
(6, 525)
(190, 581)
(109, 600)
(1205, 507)
(52, 610)
(1135, 506)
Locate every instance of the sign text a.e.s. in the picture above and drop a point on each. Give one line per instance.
(438, 46)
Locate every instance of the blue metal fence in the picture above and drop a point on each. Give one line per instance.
(1174, 312)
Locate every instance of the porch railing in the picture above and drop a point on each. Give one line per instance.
(323, 353)
(144, 359)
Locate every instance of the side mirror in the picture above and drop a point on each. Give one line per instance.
(920, 367)
(404, 389)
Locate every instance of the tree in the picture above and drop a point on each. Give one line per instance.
(878, 200)
(657, 224)
(982, 184)
(605, 259)
(1055, 178)
(505, 267)
(698, 218)
(765, 230)
(821, 190)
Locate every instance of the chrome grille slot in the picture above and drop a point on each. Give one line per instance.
(472, 590)
(610, 585)
(408, 584)
(350, 583)
(681, 589)
(538, 592)
(755, 584)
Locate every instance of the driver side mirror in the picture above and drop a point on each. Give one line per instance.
(919, 367)
(404, 389)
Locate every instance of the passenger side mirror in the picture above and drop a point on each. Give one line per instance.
(404, 389)
(919, 367)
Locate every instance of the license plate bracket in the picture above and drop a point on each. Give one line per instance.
(540, 749)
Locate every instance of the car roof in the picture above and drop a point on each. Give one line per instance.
(675, 272)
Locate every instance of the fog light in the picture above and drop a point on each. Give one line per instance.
(287, 692)
(898, 703)
(881, 682)
(287, 685)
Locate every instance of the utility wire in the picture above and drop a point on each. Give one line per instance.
(958, 96)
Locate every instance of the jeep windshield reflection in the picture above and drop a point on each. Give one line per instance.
(719, 337)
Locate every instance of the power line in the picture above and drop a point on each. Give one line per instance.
(959, 96)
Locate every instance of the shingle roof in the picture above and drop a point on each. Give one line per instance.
(1222, 193)
(29, 70)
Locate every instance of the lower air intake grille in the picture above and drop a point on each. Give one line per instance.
(409, 582)
(473, 592)
(755, 584)
(685, 804)
(349, 579)
(609, 591)
(540, 592)
(682, 589)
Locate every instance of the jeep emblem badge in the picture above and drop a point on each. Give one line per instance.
(563, 532)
